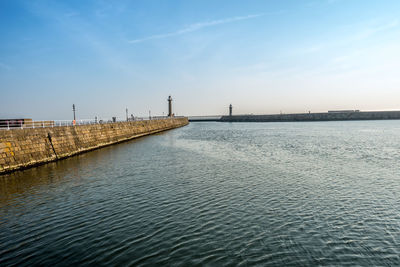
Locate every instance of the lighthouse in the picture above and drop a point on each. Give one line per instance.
(230, 110)
(169, 106)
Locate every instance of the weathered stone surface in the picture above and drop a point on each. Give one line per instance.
(23, 148)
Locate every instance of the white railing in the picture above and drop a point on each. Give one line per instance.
(25, 124)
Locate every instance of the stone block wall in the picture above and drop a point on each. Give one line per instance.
(23, 148)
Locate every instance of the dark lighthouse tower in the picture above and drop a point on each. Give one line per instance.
(230, 110)
(169, 106)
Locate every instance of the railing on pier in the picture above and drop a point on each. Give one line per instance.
(26, 124)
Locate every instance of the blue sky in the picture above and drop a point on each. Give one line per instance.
(261, 56)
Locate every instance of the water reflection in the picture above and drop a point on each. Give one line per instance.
(53, 174)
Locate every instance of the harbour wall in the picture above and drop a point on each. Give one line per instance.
(24, 148)
(326, 116)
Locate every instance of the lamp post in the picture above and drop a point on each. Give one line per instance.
(73, 110)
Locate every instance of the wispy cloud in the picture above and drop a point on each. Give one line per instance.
(367, 32)
(332, 1)
(82, 31)
(4, 66)
(320, 3)
(195, 27)
(71, 14)
(357, 35)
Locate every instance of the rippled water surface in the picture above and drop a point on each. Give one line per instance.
(309, 193)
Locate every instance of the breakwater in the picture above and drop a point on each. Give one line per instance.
(24, 148)
(325, 116)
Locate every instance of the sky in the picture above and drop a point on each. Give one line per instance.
(263, 57)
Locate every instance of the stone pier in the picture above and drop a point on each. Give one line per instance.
(24, 148)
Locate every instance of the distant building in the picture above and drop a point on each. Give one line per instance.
(24, 123)
(12, 123)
